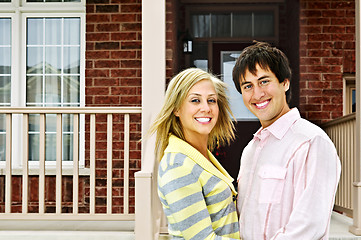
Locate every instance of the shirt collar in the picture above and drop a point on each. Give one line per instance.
(280, 126)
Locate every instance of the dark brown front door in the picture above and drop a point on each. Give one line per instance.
(246, 124)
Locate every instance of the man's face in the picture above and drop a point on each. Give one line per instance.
(264, 95)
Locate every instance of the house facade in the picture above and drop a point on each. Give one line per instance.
(91, 54)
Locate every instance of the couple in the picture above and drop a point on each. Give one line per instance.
(289, 171)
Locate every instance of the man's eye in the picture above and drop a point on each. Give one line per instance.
(263, 82)
(246, 87)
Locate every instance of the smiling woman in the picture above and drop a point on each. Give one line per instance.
(196, 192)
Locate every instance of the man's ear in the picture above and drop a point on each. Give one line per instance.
(286, 84)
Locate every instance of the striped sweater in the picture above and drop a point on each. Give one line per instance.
(196, 194)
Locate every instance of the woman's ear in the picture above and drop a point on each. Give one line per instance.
(286, 84)
(176, 113)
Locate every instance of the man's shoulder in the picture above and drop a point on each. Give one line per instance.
(307, 130)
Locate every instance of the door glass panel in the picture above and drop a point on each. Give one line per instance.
(201, 25)
(199, 57)
(221, 25)
(242, 25)
(263, 25)
(228, 60)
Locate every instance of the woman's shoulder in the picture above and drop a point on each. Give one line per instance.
(176, 159)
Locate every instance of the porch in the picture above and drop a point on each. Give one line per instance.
(338, 231)
(104, 218)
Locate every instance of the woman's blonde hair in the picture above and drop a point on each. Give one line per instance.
(167, 123)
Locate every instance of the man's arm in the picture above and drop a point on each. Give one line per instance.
(317, 172)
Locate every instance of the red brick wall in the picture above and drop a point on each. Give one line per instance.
(113, 78)
(327, 51)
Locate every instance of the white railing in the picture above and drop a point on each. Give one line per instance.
(342, 132)
(91, 173)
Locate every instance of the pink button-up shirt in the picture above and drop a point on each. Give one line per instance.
(287, 182)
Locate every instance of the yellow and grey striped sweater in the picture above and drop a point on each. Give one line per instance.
(196, 194)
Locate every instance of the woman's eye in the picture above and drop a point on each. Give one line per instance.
(195, 100)
(212, 100)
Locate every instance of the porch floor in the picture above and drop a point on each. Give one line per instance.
(338, 231)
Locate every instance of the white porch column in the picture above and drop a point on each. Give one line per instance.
(356, 227)
(147, 206)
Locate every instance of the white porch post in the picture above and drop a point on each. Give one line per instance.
(147, 206)
(356, 227)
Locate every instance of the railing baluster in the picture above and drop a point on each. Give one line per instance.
(109, 162)
(59, 143)
(42, 168)
(342, 133)
(25, 196)
(126, 164)
(42, 164)
(92, 163)
(75, 163)
(8, 164)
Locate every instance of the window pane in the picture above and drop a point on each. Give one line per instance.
(68, 123)
(50, 137)
(33, 147)
(242, 25)
(2, 137)
(5, 60)
(71, 89)
(34, 58)
(199, 57)
(53, 60)
(221, 25)
(5, 90)
(50, 147)
(68, 147)
(353, 100)
(35, 29)
(2, 147)
(33, 123)
(201, 25)
(56, 85)
(5, 30)
(53, 31)
(34, 89)
(71, 31)
(53, 0)
(72, 60)
(263, 25)
(52, 89)
(60, 56)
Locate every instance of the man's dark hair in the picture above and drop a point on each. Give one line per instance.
(268, 58)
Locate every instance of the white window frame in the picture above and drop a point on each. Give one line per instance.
(19, 11)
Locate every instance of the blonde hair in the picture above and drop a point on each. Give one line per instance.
(167, 123)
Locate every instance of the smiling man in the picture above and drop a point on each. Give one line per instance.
(290, 170)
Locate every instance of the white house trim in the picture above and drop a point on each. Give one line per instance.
(356, 227)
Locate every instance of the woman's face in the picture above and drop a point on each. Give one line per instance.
(198, 113)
